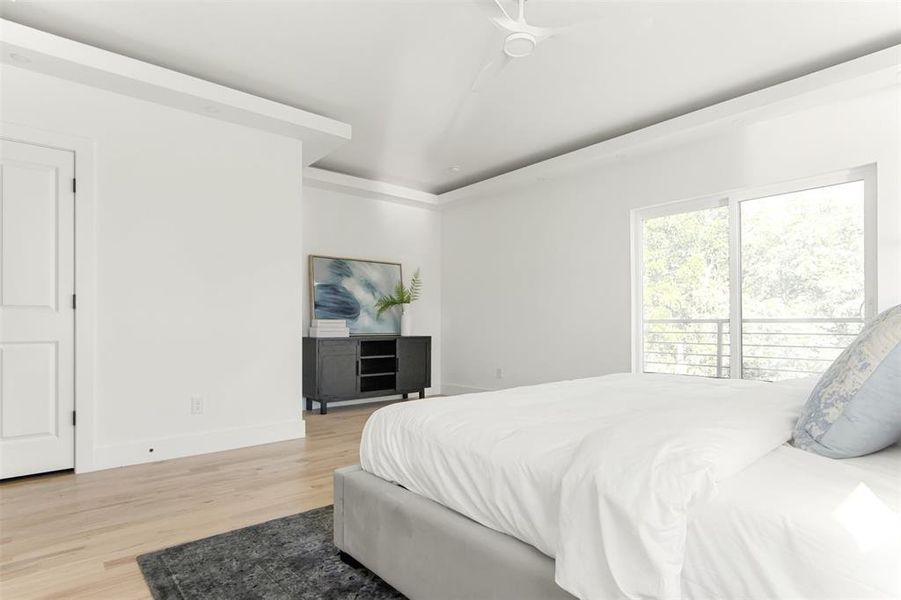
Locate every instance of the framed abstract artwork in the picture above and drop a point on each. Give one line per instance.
(348, 288)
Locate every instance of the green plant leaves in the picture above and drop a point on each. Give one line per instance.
(402, 295)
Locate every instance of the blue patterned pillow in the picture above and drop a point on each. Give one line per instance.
(855, 409)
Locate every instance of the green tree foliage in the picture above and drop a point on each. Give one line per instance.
(686, 265)
(802, 254)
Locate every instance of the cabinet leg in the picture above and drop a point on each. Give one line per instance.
(309, 404)
(421, 394)
(405, 396)
(323, 407)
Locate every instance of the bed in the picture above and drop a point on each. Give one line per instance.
(619, 486)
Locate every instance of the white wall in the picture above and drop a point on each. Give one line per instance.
(537, 277)
(198, 270)
(337, 223)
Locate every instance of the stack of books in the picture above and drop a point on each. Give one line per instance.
(329, 328)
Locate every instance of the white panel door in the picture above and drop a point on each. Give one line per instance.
(37, 320)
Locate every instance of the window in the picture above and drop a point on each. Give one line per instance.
(788, 270)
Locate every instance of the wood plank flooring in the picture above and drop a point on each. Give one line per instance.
(77, 536)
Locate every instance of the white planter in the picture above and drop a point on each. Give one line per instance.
(406, 323)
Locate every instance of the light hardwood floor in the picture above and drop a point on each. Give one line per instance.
(77, 536)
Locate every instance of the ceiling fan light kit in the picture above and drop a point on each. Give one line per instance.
(519, 45)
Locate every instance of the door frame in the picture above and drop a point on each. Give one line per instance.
(85, 275)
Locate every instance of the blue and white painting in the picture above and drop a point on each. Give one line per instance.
(346, 288)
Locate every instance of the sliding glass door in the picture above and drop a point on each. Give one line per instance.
(686, 292)
(803, 293)
(763, 284)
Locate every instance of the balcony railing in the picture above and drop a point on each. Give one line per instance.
(772, 349)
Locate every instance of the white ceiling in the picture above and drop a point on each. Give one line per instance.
(398, 71)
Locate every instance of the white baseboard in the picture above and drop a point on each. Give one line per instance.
(453, 389)
(133, 453)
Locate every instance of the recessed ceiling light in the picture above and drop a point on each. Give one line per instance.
(212, 109)
(19, 58)
(454, 169)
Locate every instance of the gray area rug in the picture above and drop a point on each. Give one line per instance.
(291, 557)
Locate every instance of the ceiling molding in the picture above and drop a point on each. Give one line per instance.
(854, 77)
(367, 188)
(36, 50)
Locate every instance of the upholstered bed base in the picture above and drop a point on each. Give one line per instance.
(429, 552)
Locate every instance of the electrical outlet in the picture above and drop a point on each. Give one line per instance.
(196, 405)
(499, 373)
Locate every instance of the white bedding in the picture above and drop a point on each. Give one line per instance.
(799, 525)
(506, 459)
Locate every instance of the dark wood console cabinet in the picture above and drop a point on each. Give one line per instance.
(365, 367)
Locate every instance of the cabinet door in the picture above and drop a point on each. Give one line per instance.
(414, 364)
(337, 369)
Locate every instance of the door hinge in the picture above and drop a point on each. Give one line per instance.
(73, 185)
(74, 303)
(73, 418)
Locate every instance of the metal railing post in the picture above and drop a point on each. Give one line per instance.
(719, 348)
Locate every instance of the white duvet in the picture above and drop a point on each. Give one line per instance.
(602, 474)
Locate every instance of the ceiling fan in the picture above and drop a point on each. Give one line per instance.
(521, 40)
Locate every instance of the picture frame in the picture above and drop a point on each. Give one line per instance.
(348, 288)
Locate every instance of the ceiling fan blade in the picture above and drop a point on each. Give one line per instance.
(507, 24)
(543, 33)
(539, 33)
(503, 10)
(490, 72)
(484, 77)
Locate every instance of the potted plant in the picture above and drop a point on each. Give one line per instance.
(401, 297)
